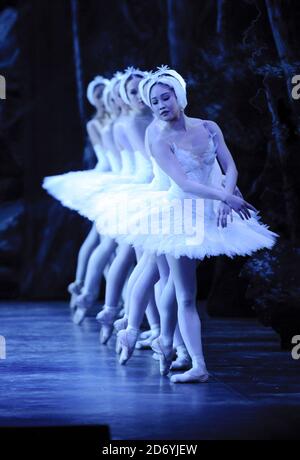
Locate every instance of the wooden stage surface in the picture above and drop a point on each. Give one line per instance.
(57, 373)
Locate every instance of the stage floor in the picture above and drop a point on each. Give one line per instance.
(57, 373)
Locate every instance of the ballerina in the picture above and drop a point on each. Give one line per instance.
(187, 149)
(99, 129)
(73, 188)
(129, 133)
(55, 185)
(134, 127)
(105, 250)
(150, 268)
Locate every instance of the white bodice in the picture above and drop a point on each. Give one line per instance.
(143, 168)
(161, 180)
(114, 160)
(197, 167)
(103, 163)
(128, 162)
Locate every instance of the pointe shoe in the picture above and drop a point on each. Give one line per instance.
(182, 362)
(165, 355)
(83, 303)
(194, 375)
(118, 346)
(106, 318)
(155, 356)
(120, 324)
(126, 341)
(145, 334)
(121, 312)
(74, 289)
(146, 343)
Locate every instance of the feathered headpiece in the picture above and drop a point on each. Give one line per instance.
(98, 80)
(129, 72)
(171, 78)
(143, 86)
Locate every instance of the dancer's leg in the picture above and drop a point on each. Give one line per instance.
(163, 345)
(117, 275)
(183, 360)
(152, 311)
(91, 288)
(115, 281)
(89, 244)
(85, 252)
(154, 323)
(137, 271)
(183, 272)
(139, 299)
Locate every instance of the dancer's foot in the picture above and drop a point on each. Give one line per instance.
(194, 375)
(83, 303)
(165, 355)
(121, 323)
(74, 289)
(127, 340)
(155, 356)
(146, 343)
(145, 334)
(182, 361)
(118, 346)
(121, 311)
(106, 318)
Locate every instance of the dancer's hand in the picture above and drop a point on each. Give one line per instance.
(223, 212)
(240, 206)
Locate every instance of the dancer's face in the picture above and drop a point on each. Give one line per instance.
(116, 93)
(132, 90)
(164, 102)
(114, 108)
(97, 95)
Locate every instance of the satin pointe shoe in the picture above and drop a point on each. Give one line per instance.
(126, 341)
(120, 324)
(194, 375)
(182, 361)
(146, 343)
(74, 289)
(165, 355)
(106, 319)
(83, 303)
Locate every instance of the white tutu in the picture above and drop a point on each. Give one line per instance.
(74, 188)
(104, 207)
(180, 224)
(103, 202)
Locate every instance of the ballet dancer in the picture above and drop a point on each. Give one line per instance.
(99, 131)
(187, 150)
(135, 128)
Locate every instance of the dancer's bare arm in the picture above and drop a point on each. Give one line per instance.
(168, 162)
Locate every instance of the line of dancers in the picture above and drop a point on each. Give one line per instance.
(162, 196)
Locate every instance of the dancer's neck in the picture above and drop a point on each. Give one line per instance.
(177, 124)
(144, 114)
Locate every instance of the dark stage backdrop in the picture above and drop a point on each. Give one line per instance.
(238, 57)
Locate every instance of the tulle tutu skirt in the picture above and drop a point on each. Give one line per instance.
(176, 223)
(182, 227)
(74, 188)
